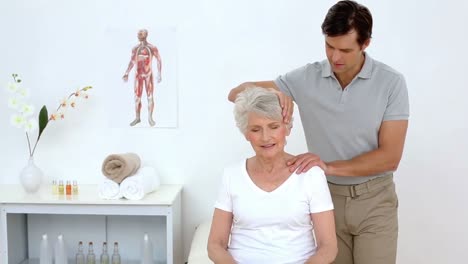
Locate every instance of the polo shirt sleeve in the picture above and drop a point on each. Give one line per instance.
(291, 80)
(319, 195)
(224, 201)
(398, 102)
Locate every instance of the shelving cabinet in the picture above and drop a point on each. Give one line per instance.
(24, 216)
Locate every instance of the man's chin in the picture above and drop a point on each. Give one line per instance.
(338, 69)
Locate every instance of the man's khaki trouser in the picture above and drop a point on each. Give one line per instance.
(366, 221)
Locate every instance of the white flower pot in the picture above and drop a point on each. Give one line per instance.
(31, 177)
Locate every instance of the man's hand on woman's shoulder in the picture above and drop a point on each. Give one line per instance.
(304, 162)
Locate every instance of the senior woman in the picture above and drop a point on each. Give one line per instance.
(265, 214)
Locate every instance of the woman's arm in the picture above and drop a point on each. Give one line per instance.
(324, 228)
(219, 237)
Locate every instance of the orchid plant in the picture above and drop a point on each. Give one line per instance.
(23, 116)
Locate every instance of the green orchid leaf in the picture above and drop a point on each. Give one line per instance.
(43, 120)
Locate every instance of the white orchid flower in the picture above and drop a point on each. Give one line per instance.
(72, 103)
(30, 125)
(53, 117)
(12, 87)
(14, 102)
(78, 93)
(23, 92)
(60, 114)
(17, 120)
(27, 109)
(64, 102)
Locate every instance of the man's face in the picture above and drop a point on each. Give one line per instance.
(142, 35)
(344, 52)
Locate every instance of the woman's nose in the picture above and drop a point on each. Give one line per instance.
(266, 134)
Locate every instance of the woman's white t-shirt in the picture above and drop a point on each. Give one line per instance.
(273, 227)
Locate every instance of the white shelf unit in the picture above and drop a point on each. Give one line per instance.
(16, 206)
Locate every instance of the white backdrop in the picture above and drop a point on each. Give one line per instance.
(55, 46)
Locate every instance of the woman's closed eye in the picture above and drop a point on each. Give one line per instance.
(274, 125)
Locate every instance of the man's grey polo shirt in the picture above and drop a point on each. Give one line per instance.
(340, 124)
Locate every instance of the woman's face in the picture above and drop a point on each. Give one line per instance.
(267, 136)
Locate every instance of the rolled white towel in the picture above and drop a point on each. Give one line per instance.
(109, 190)
(135, 187)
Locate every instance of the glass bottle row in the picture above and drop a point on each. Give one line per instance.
(91, 257)
(59, 252)
(70, 188)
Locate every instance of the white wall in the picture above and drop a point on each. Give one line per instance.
(56, 46)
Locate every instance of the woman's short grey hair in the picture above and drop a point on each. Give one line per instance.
(261, 101)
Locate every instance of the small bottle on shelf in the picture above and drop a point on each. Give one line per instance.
(91, 257)
(54, 187)
(45, 251)
(104, 254)
(75, 187)
(68, 188)
(60, 251)
(116, 255)
(80, 258)
(60, 187)
(146, 250)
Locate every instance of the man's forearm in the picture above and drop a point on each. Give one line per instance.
(370, 163)
(234, 92)
(264, 84)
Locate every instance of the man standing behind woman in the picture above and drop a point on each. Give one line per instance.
(354, 111)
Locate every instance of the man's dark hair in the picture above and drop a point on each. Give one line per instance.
(345, 16)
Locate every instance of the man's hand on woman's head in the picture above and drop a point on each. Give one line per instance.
(286, 103)
(304, 162)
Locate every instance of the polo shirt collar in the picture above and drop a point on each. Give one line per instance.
(365, 72)
(326, 69)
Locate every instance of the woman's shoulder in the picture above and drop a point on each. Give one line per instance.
(315, 182)
(314, 175)
(233, 170)
(234, 175)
